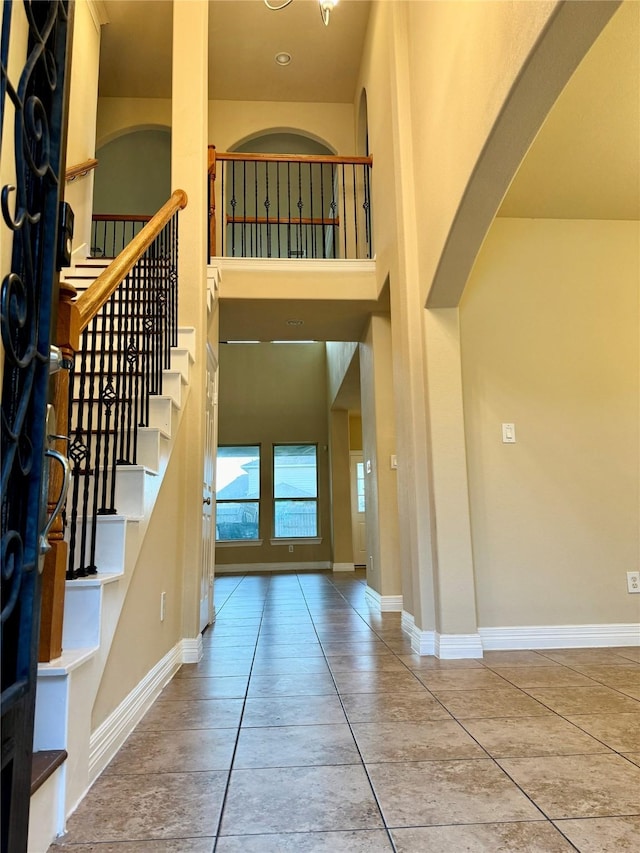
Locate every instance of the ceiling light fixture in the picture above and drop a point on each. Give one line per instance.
(295, 322)
(325, 8)
(283, 58)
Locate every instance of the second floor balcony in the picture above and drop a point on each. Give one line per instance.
(289, 206)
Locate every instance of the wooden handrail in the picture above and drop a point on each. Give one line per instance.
(76, 316)
(120, 217)
(332, 159)
(80, 170)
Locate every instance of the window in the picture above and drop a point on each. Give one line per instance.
(238, 493)
(295, 491)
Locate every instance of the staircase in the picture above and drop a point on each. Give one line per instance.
(68, 686)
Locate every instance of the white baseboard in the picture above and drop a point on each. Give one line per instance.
(343, 567)
(107, 739)
(560, 636)
(457, 646)
(384, 603)
(422, 642)
(243, 568)
(192, 649)
(407, 622)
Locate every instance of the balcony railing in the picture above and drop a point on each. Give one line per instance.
(111, 232)
(289, 206)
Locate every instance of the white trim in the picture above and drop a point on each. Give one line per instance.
(238, 543)
(98, 12)
(302, 540)
(407, 622)
(560, 636)
(107, 739)
(423, 642)
(343, 567)
(384, 603)
(455, 646)
(192, 648)
(293, 566)
(290, 265)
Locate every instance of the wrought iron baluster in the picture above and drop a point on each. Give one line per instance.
(322, 231)
(267, 205)
(334, 208)
(355, 204)
(300, 206)
(278, 204)
(367, 210)
(311, 228)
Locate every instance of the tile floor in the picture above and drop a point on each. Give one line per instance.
(310, 727)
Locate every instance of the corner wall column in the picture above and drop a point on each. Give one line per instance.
(189, 123)
(342, 541)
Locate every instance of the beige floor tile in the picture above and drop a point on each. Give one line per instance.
(538, 837)
(414, 741)
(380, 663)
(299, 799)
(619, 731)
(578, 785)
(613, 676)
(177, 845)
(361, 841)
(377, 682)
(187, 689)
(571, 657)
(543, 676)
(373, 647)
(179, 751)
(445, 792)
(419, 663)
(289, 666)
(584, 700)
(295, 746)
(392, 707)
(462, 679)
(631, 653)
(633, 756)
(301, 684)
(515, 658)
(293, 711)
(531, 736)
(469, 704)
(289, 650)
(152, 806)
(632, 691)
(208, 668)
(202, 714)
(603, 835)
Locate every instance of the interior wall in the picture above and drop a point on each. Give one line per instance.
(81, 130)
(159, 569)
(135, 173)
(270, 394)
(355, 432)
(549, 338)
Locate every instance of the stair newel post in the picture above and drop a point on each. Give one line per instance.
(212, 200)
(55, 561)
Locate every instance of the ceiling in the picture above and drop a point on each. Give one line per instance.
(244, 37)
(584, 163)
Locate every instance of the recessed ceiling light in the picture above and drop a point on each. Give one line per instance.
(295, 322)
(283, 58)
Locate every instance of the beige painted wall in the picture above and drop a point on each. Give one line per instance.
(272, 393)
(81, 133)
(549, 331)
(355, 432)
(159, 569)
(341, 532)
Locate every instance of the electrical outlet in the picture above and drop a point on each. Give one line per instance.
(633, 581)
(291, 549)
(163, 605)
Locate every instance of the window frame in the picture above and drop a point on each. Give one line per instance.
(254, 501)
(293, 540)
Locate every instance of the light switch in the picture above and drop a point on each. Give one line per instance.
(508, 433)
(394, 461)
(368, 466)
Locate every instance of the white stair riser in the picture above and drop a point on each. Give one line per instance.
(110, 543)
(82, 613)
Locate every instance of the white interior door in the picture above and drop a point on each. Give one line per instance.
(208, 492)
(358, 526)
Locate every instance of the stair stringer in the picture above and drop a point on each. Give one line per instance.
(68, 686)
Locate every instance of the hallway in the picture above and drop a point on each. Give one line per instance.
(310, 727)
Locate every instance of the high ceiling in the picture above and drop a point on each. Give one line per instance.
(583, 164)
(244, 38)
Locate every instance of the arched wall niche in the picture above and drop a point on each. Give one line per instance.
(134, 172)
(282, 140)
(362, 127)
